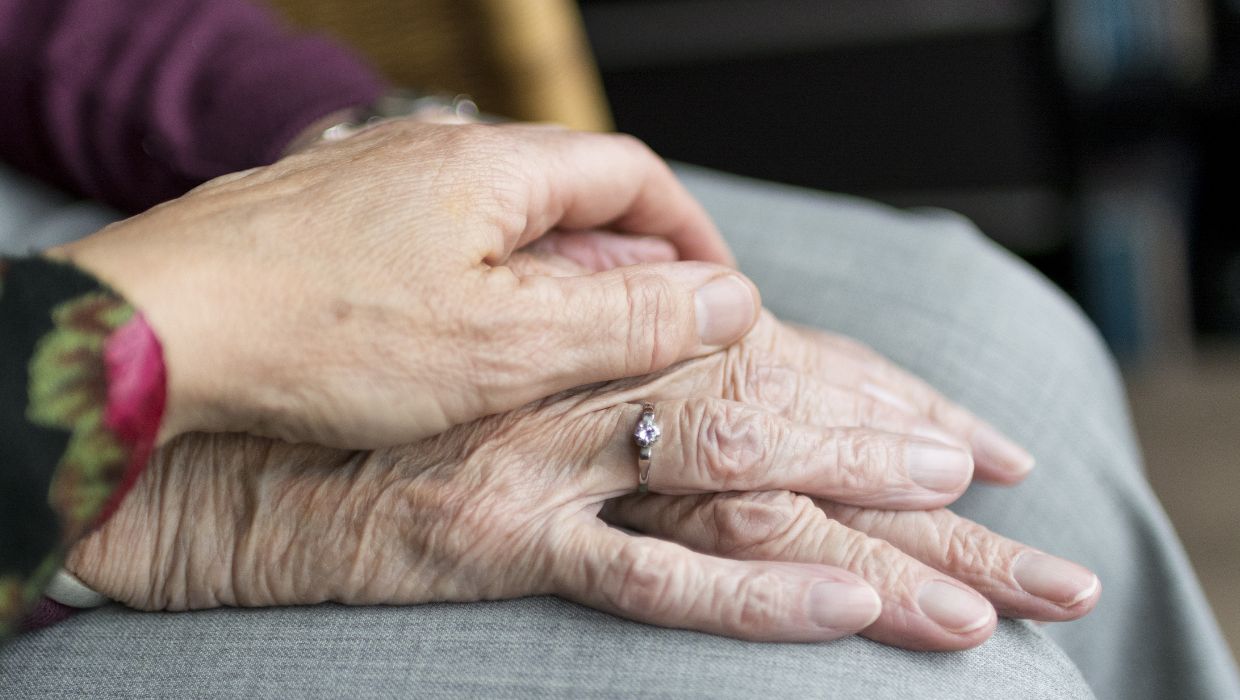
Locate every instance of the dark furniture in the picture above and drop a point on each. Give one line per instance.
(1093, 141)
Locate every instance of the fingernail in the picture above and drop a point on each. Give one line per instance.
(990, 446)
(954, 608)
(843, 606)
(1054, 579)
(938, 467)
(725, 310)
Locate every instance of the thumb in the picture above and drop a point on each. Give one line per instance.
(640, 319)
(625, 322)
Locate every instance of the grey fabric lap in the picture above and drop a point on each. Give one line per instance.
(529, 648)
(925, 290)
(34, 217)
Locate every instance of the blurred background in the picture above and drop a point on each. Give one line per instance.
(1094, 138)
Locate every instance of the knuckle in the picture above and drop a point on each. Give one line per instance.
(880, 563)
(862, 458)
(731, 443)
(762, 604)
(643, 579)
(771, 521)
(969, 549)
(855, 550)
(652, 342)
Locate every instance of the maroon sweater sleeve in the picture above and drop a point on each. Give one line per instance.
(133, 102)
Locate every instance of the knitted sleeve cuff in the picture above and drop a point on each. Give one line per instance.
(82, 390)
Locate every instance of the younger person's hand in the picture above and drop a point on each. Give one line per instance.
(357, 294)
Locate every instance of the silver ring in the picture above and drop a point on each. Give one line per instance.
(645, 435)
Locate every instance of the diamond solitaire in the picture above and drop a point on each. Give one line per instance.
(645, 435)
(647, 431)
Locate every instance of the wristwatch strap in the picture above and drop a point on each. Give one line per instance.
(405, 103)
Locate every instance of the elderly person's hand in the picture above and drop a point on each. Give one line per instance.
(356, 295)
(508, 506)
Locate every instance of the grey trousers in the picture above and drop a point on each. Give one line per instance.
(924, 288)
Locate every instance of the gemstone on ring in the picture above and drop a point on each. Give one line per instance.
(647, 431)
(645, 435)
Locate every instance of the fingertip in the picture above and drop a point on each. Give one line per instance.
(719, 251)
(1055, 580)
(1087, 602)
(700, 239)
(1006, 462)
(996, 476)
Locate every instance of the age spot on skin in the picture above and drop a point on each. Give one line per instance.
(341, 310)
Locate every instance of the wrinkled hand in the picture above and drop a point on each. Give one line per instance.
(509, 506)
(917, 560)
(503, 507)
(356, 294)
(823, 379)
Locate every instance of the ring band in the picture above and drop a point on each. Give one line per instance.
(645, 435)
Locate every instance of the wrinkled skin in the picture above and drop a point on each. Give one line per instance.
(515, 505)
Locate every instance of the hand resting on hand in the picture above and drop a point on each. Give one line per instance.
(510, 505)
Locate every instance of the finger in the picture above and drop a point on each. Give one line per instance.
(922, 608)
(596, 251)
(858, 367)
(711, 445)
(1019, 580)
(620, 323)
(534, 261)
(613, 181)
(664, 584)
(801, 397)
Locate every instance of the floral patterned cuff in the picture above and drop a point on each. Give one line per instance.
(82, 394)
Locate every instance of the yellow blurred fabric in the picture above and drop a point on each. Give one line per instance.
(523, 59)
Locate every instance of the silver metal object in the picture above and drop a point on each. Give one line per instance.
(645, 435)
(68, 590)
(406, 103)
